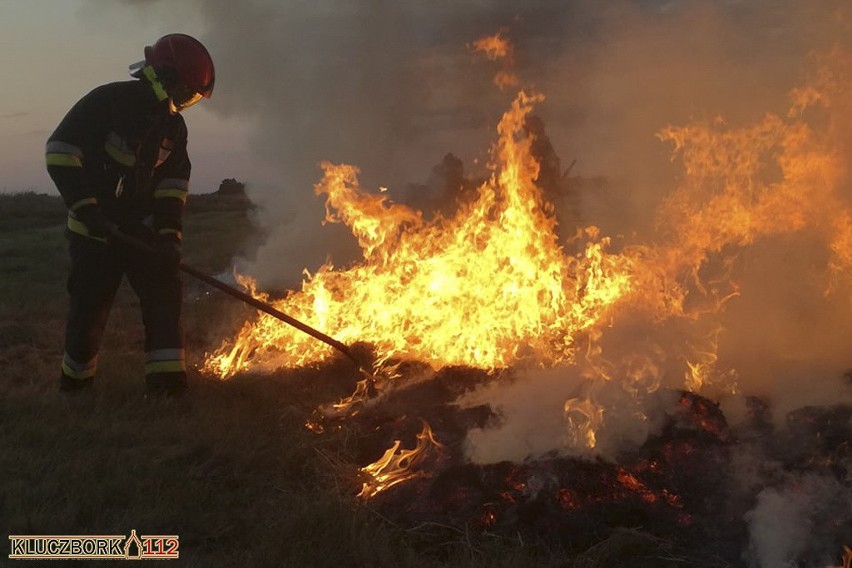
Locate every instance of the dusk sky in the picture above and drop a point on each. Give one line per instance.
(52, 53)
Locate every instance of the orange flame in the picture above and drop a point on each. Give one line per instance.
(498, 48)
(491, 286)
(846, 562)
(494, 47)
(396, 466)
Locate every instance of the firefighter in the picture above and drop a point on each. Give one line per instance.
(120, 162)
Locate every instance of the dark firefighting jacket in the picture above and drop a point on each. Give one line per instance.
(121, 149)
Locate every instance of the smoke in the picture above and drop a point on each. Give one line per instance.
(795, 518)
(531, 424)
(381, 84)
(779, 530)
(534, 418)
(392, 87)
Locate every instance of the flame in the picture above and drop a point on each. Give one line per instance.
(497, 47)
(396, 466)
(494, 47)
(846, 562)
(702, 366)
(491, 286)
(583, 418)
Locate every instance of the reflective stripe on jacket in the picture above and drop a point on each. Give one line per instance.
(121, 148)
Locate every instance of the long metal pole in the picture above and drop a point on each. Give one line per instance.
(264, 307)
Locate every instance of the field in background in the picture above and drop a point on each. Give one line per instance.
(230, 467)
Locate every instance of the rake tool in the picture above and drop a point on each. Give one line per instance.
(254, 302)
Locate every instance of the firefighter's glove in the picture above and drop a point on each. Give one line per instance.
(98, 226)
(168, 252)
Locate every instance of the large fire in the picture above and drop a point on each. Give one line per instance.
(488, 287)
(492, 286)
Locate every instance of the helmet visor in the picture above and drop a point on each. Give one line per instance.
(184, 98)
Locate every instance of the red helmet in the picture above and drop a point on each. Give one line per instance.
(184, 66)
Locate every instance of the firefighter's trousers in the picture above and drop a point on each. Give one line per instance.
(96, 272)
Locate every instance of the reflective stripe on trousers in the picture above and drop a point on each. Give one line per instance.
(170, 360)
(77, 370)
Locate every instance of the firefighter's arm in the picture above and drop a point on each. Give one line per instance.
(171, 187)
(65, 155)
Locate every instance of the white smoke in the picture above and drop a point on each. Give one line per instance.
(534, 422)
(531, 417)
(786, 521)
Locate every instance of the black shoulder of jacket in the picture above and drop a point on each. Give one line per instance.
(133, 92)
(107, 103)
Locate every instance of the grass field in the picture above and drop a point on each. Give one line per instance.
(230, 467)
